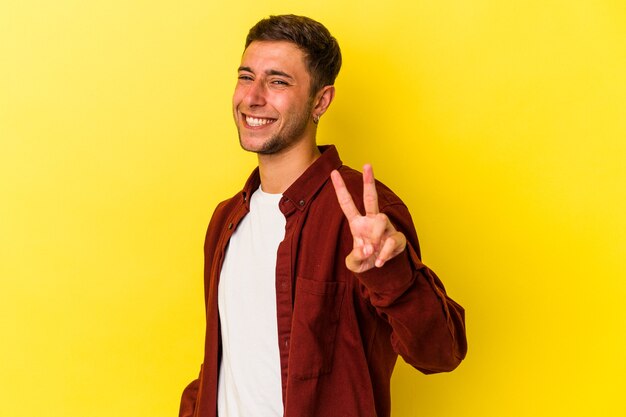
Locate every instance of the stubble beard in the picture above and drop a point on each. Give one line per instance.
(289, 136)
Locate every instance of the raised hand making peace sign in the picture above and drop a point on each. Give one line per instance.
(375, 240)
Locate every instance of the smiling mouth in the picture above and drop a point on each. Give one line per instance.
(258, 121)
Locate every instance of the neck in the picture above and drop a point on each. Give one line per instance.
(279, 171)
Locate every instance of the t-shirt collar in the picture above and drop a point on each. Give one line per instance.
(307, 185)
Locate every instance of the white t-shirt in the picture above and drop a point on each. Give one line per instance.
(249, 377)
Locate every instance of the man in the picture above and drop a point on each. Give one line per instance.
(313, 281)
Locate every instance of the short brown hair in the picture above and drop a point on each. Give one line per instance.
(322, 53)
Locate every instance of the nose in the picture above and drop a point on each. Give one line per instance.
(255, 94)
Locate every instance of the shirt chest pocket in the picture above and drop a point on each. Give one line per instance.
(317, 308)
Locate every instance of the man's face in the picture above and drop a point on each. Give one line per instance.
(272, 103)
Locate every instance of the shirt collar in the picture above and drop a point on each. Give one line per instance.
(306, 186)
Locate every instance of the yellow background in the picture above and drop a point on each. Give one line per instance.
(502, 124)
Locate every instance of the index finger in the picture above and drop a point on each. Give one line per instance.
(343, 196)
(370, 197)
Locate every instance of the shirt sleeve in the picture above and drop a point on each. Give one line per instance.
(188, 400)
(428, 327)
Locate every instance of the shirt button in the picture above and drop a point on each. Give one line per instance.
(230, 226)
(287, 343)
(301, 202)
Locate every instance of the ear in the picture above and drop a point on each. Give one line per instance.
(323, 98)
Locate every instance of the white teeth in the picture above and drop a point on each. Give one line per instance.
(253, 121)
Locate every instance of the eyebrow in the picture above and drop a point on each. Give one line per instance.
(268, 72)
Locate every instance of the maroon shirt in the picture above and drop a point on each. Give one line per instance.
(339, 333)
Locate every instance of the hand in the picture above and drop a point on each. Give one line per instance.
(375, 240)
